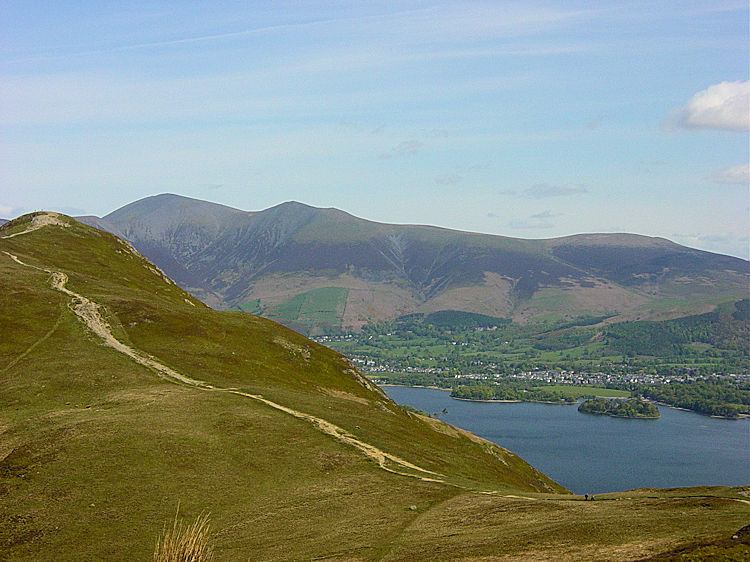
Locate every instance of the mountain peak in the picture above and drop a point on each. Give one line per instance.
(292, 205)
(169, 203)
(612, 239)
(296, 206)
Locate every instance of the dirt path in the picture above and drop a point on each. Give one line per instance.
(327, 427)
(88, 312)
(34, 345)
(40, 220)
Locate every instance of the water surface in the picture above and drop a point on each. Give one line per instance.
(595, 454)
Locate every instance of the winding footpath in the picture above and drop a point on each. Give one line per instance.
(88, 312)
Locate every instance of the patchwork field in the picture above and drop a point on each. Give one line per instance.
(319, 308)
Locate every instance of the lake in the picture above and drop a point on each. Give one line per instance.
(595, 454)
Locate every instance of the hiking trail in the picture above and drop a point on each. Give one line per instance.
(88, 312)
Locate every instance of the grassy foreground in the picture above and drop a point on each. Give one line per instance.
(97, 450)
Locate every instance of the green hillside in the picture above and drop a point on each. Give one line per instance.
(316, 311)
(122, 397)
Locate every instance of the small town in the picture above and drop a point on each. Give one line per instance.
(371, 369)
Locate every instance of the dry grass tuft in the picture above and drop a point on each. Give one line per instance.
(185, 543)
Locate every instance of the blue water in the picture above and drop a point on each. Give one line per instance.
(595, 454)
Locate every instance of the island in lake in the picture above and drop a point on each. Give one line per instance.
(511, 393)
(619, 408)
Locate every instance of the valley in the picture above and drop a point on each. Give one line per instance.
(424, 305)
(123, 397)
(697, 362)
(394, 281)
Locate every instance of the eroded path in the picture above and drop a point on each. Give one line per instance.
(40, 220)
(34, 345)
(88, 312)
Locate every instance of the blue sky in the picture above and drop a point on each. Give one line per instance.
(526, 119)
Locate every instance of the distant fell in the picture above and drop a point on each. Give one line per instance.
(278, 261)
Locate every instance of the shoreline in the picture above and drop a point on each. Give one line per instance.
(621, 417)
(501, 401)
(417, 386)
(513, 401)
(473, 400)
(740, 417)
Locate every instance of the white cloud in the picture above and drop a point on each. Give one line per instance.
(723, 106)
(5, 211)
(739, 175)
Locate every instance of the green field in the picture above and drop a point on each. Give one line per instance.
(579, 391)
(317, 308)
(253, 307)
(703, 344)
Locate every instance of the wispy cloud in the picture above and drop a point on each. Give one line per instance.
(437, 25)
(724, 106)
(545, 190)
(488, 20)
(404, 148)
(536, 221)
(529, 224)
(596, 122)
(448, 179)
(736, 175)
(545, 215)
(87, 97)
(728, 243)
(436, 133)
(210, 37)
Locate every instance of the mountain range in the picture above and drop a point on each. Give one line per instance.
(126, 403)
(321, 270)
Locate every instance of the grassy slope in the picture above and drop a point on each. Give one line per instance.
(316, 308)
(623, 526)
(578, 391)
(96, 451)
